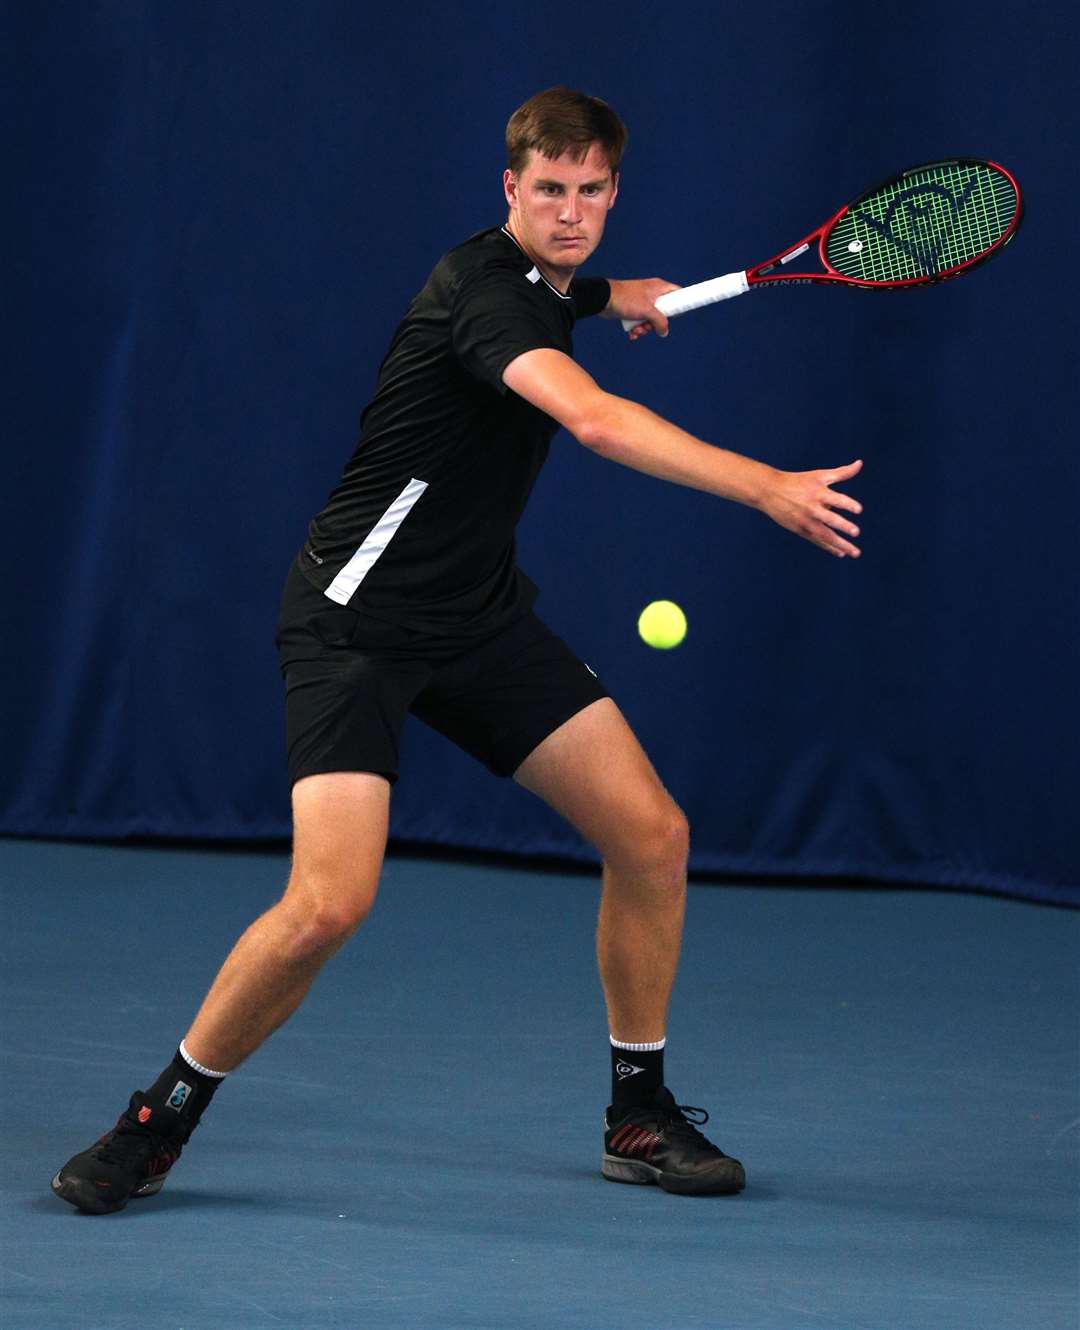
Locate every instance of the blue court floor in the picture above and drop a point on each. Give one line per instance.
(419, 1147)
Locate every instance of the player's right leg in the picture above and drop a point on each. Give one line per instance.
(340, 824)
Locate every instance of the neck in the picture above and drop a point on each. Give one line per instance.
(560, 278)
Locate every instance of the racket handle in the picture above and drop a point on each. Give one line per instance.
(693, 297)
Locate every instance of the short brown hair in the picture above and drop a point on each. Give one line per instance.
(561, 120)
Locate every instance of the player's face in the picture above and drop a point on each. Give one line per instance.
(558, 206)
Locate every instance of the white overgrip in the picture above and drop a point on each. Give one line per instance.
(694, 297)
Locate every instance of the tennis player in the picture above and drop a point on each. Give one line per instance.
(406, 596)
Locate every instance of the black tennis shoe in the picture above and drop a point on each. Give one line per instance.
(131, 1160)
(659, 1144)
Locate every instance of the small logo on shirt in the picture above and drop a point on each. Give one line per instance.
(312, 555)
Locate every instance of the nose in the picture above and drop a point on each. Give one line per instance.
(570, 214)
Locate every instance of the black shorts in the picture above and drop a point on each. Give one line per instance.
(350, 679)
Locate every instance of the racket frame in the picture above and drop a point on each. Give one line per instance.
(761, 273)
(696, 296)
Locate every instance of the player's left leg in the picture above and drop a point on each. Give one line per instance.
(523, 704)
(593, 771)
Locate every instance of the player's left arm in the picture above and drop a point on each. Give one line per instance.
(624, 431)
(636, 299)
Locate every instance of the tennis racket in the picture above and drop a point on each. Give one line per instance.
(924, 225)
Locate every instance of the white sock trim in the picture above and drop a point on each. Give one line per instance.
(637, 1048)
(198, 1066)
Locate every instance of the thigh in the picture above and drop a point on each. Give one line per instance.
(502, 698)
(340, 822)
(595, 773)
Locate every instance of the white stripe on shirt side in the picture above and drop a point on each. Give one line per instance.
(342, 587)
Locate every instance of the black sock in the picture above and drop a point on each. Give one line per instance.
(637, 1072)
(180, 1094)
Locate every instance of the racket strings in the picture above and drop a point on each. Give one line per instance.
(923, 223)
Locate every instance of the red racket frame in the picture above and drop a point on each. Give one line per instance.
(821, 234)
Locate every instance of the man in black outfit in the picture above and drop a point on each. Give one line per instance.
(407, 597)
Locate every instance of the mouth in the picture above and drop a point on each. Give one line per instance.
(569, 240)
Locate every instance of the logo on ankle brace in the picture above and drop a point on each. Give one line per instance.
(623, 1069)
(180, 1094)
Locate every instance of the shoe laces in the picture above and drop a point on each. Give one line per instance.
(131, 1143)
(681, 1125)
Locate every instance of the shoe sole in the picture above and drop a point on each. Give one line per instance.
(724, 1179)
(81, 1194)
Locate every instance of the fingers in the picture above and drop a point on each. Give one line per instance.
(831, 529)
(828, 518)
(842, 473)
(831, 522)
(835, 544)
(837, 499)
(845, 501)
(827, 530)
(803, 502)
(656, 320)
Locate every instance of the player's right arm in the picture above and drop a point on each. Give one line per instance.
(627, 432)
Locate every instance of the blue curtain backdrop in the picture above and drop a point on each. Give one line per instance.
(219, 211)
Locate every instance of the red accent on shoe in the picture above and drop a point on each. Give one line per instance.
(621, 1135)
(642, 1141)
(634, 1140)
(145, 1113)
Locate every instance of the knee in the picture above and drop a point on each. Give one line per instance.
(321, 914)
(659, 844)
(673, 839)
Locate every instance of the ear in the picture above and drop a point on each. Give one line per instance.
(614, 191)
(510, 187)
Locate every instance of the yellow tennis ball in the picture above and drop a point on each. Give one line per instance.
(662, 624)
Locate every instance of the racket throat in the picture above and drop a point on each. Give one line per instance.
(767, 268)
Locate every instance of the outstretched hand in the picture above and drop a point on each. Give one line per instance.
(635, 299)
(804, 502)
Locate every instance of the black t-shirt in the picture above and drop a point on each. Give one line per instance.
(420, 530)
